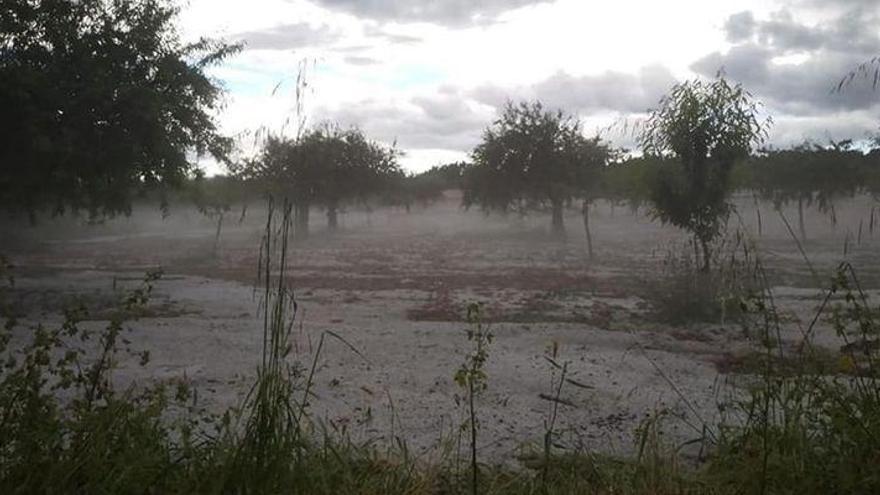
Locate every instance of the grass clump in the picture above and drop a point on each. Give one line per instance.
(685, 292)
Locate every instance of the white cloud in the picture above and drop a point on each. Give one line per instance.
(431, 75)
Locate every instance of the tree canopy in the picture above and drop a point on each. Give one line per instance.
(808, 173)
(532, 157)
(704, 127)
(326, 166)
(101, 98)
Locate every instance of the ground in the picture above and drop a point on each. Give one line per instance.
(392, 287)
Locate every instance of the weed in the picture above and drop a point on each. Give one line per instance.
(685, 292)
(472, 377)
(804, 427)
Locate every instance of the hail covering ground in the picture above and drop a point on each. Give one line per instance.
(394, 285)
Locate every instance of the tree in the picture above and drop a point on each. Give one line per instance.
(808, 174)
(629, 181)
(325, 166)
(214, 197)
(428, 186)
(593, 157)
(704, 127)
(532, 157)
(101, 98)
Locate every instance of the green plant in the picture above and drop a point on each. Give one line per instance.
(104, 98)
(64, 425)
(471, 376)
(807, 428)
(532, 157)
(704, 127)
(326, 166)
(685, 293)
(556, 388)
(214, 197)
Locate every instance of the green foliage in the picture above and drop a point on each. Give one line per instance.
(325, 166)
(102, 99)
(532, 157)
(704, 127)
(871, 170)
(214, 197)
(472, 377)
(630, 181)
(807, 429)
(810, 174)
(472, 374)
(683, 293)
(63, 425)
(428, 186)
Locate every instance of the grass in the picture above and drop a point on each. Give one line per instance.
(684, 293)
(806, 421)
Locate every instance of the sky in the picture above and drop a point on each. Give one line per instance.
(428, 76)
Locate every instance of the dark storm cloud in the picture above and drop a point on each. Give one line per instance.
(740, 27)
(829, 52)
(853, 31)
(454, 13)
(610, 91)
(288, 36)
(807, 88)
(794, 69)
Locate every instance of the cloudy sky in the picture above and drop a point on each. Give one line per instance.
(430, 75)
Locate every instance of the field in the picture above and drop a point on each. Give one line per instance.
(393, 286)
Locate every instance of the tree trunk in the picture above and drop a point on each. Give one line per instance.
(332, 217)
(758, 215)
(217, 234)
(558, 226)
(707, 256)
(301, 221)
(586, 212)
(833, 217)
(801, 219)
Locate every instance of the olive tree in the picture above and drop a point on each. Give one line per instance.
(703, 127)
(101, 98)
(532, 157)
